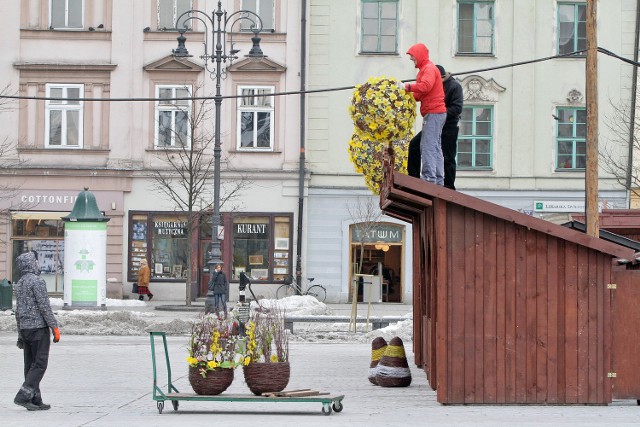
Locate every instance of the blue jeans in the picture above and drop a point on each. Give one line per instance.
(431, 149)
(220, 303)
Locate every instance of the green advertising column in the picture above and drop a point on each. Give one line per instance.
(85, 255)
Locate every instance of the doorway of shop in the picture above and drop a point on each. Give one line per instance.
(381, 260)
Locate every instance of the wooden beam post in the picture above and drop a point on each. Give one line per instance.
(591, 170)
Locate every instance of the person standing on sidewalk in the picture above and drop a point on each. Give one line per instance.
(35, 321)
(428, 90)
(219, 285)
(144, 275)
(453, 100)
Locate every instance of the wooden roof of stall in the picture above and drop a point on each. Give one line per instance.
(400, 195)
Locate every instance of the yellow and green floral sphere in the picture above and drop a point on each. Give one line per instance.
(381, 109)
(366, 155)
(382, 112)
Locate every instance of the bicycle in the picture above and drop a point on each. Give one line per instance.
(290, 288)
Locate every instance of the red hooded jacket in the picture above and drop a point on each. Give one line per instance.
(427, 89)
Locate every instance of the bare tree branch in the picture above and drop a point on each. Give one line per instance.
(10, 160)
(620, 125)
(186, 176)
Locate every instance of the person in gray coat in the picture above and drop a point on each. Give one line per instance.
(36, 322)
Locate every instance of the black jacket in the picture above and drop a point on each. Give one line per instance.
(453, 99)
(218, 283)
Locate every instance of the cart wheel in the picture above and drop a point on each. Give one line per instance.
(160, 407)
(337, 406)
(175, 405)
(326, 409)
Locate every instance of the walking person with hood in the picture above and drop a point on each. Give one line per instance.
(453, 100)
(144, 276)
(428, 90)
(219, 285)
(36, 322)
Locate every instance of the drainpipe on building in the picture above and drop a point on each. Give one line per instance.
(301, 169)
(632, 110)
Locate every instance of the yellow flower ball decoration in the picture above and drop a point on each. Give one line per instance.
(381, 112)
(366, 155)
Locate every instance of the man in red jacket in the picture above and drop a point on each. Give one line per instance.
(429, 92)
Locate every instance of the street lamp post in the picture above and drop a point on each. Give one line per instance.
(218, 54)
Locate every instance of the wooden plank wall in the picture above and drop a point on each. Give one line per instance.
(526, 315)
(626, 334)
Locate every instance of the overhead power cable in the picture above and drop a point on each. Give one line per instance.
(311, 91)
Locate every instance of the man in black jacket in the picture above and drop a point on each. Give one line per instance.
(36, 322)
(453, 99)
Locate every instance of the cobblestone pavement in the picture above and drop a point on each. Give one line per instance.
(102, 380)
(107, 381)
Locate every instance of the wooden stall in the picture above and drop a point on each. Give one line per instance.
(508, 308)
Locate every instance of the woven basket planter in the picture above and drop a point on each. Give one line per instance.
(267, 377)
(216, 381)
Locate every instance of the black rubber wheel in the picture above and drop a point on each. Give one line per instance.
(284, 291)
(318, 292)
(337, 406)
(175, 404)
(160, 407)
(326, 409)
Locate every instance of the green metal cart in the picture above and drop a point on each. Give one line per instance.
(329, 402)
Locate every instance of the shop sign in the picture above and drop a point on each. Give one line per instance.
(386, 233)
(571, 206)
(170, 228)
(251, 230)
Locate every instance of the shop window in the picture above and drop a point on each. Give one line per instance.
(162, 239)
(255, 238)
(42, 234)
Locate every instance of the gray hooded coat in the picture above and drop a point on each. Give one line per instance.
(33, 310)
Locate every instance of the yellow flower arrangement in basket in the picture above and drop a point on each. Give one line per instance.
(266, 338)
(382, 112)
(213, 344)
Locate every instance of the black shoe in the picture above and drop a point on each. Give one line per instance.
(26, 403)
(141, 298)
(40, 407)
(150, 296)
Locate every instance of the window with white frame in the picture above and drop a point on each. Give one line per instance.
(475, 142)
(255, 117)
(172, 116)
(571, 133)
(169, 11)
(379, 26)
(572, 27)
(475, 27)
(63, 116)
(264, 9)
(66, 14)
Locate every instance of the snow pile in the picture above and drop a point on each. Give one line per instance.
(298, 305)
(59, 302)
(126, 321)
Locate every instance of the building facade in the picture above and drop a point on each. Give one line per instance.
(521, 141)
(104, 105)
